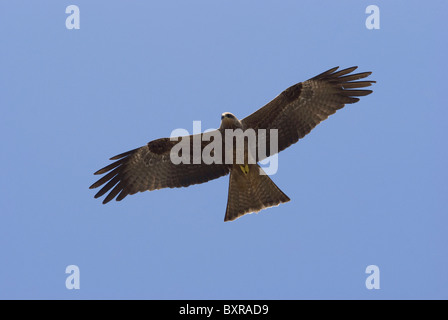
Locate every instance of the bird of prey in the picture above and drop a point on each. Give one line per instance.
(294, 113)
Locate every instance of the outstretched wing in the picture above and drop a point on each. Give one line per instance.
(298, 109)
(150, 168)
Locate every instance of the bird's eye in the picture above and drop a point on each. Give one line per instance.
(222, 117)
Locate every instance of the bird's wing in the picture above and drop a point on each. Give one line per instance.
(150, 168)
(298, 109)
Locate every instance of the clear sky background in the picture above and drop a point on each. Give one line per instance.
(368, 186)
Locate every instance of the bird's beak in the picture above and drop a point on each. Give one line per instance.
(226, 122)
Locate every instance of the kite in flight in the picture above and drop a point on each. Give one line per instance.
(294, 113)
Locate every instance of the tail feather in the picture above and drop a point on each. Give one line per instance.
(251, 191)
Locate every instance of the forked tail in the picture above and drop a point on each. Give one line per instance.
(250, 191)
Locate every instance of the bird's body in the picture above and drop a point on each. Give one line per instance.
(250, 189)
(291, 115)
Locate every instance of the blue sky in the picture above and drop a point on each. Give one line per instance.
(367, 186)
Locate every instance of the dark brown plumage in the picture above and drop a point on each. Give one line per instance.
(294, 113)
(251, 192)
(150, 168)
(301, 107)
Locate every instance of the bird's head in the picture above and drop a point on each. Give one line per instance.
(229, 121)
